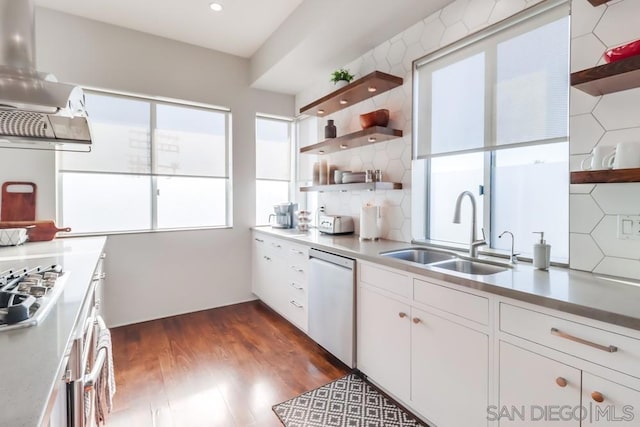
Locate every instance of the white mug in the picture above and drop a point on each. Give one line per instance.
(626, 156)
(596, 160)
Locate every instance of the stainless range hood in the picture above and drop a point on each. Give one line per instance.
(35, 111)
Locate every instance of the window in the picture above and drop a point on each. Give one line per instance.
(491, 117)
(154, 165)
(273, 165)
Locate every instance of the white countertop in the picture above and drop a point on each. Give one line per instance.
(30, 358)
(607, 299)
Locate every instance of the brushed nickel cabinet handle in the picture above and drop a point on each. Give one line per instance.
(561, 382)
(402, 315)
(607, 348)
(297, 252)
(597, 396)
(275, 245)
(267, 258)
(258, 240)
(295, 304)
(294, 285)
(296, 269)
(416, 320)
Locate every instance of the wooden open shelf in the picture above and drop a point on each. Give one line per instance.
(365, 87)
(371, 135)
(370, 186)
(605, 176)
(598, 2)
(608, 78)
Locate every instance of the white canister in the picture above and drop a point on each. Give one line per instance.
(370, 219)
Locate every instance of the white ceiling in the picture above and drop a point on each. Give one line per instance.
(301, 39)
(240, 29)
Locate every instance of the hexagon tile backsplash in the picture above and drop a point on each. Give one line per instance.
(602, 121)
(395, 56)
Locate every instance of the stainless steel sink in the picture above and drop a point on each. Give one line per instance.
(469, 267)
(420, 255)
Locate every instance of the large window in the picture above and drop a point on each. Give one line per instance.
(273, 165)
(492, 118)
(153, 165)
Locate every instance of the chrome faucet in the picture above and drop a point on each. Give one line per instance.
(513, 258)
(474, 242)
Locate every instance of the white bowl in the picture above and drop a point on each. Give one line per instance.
(12, 236)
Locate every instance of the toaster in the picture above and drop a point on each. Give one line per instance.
(335, 224)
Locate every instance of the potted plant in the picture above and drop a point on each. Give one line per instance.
(341, 77)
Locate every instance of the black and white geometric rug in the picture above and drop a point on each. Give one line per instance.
(348, 401)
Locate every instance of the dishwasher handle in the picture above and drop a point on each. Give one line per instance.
(332, 258)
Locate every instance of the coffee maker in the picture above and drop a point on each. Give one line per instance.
(284, 215)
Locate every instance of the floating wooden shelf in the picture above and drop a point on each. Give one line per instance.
(358, 186)
(608, 78)
(367, 136)
(364, 88)
(598, 2)
(605, 176)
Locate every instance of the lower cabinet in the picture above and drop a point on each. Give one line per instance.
(537, 390)
(384, 337)
(437, 367)
(529, 384)
(280, 277)
(449, 371)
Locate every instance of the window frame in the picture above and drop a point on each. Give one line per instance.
(153, 102)
(519, 24)
(293, 164)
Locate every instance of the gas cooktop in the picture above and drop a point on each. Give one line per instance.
(28, 294)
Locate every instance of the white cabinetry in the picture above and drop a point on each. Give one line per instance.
(530, 383)
(384, 334)
(449, 371)
(568, 393)
(430, 362)
(280, 276)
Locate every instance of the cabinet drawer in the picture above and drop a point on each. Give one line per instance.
(391, 281)
(460, 303)
(295, 310)
(613, 350)
(297, 253)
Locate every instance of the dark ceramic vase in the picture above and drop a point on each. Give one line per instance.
(330, 130)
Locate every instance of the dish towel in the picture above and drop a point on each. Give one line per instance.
(106, 383)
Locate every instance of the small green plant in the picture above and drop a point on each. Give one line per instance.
(341, 74)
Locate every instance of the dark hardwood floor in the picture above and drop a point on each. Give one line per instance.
(220, 367)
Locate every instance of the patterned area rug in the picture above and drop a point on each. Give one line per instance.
(348, 401)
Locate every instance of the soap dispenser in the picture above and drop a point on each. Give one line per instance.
(541, 253)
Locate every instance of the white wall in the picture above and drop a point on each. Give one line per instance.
(152, 275)
(602, 121)
(395, 56)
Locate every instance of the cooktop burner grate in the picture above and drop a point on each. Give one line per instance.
(27, 295)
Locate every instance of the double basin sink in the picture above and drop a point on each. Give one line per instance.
(445, 260)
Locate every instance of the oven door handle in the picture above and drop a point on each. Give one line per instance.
(89, 380)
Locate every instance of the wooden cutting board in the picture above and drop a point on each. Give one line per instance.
(40, 231)
(18, 201)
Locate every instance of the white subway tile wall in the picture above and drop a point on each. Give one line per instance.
(395, 56)
(602, 121)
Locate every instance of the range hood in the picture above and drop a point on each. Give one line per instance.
(35, 110)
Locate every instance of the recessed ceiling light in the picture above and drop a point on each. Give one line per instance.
(344, 102)
(216, 7)
(371, 139)
(372, 89)
(344, 146)
(320, 111)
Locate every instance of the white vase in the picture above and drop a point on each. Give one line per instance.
(341, 83)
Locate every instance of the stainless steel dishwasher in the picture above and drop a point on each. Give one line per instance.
(332, 304)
